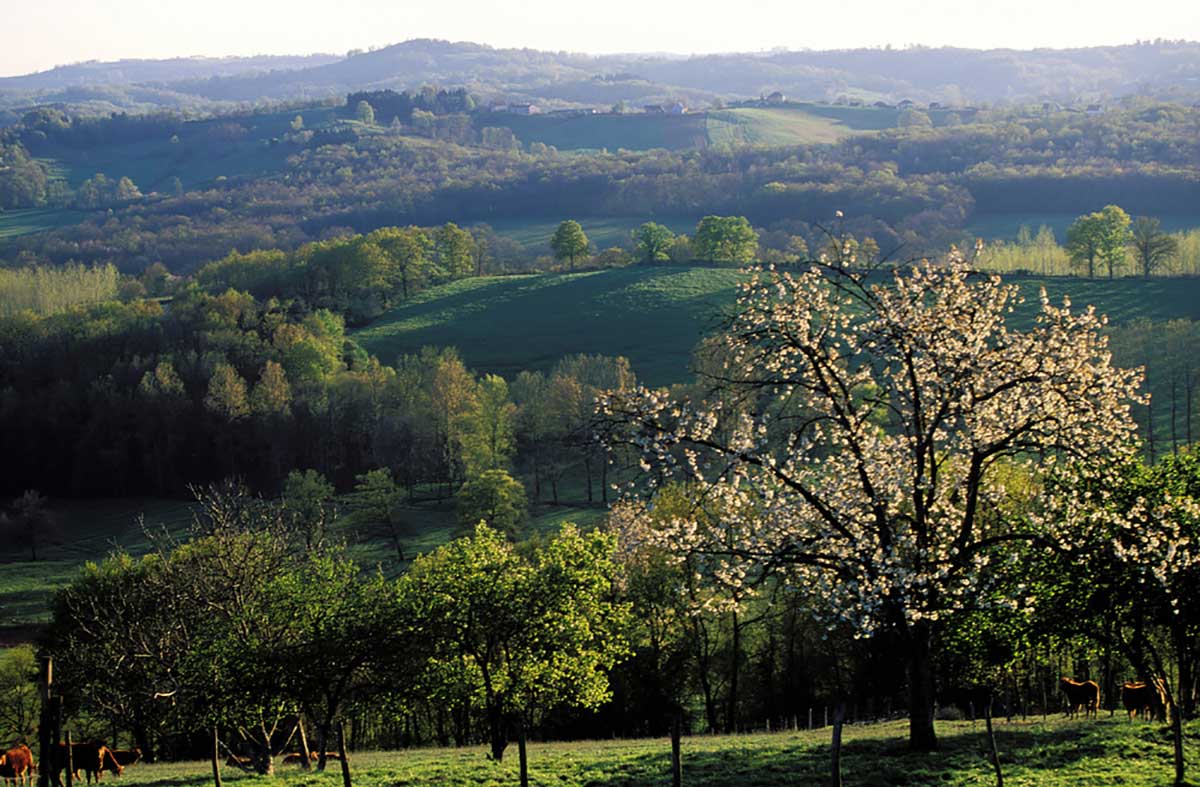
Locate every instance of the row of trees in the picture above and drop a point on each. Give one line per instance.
(257, 621)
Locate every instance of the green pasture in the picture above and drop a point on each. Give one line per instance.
(82, 530)
(86, 530)
(1034, 753)
(788, 124)
(773, 127)
(633, 131)
(655, 315)
(204, 151)
(31, 220)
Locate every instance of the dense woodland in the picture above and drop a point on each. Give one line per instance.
(912, 191)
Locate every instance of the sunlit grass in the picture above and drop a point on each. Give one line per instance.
(1033, 753)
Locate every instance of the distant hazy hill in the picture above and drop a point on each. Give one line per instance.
(957, 76)
(135, 72)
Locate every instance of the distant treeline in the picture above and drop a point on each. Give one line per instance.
(912, 190)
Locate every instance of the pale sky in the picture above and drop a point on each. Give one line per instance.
(39, 34)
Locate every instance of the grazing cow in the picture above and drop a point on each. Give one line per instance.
(93, 758)
(1081, 696)
(17, 764)
(297, 758)
(1147, 699)
(236, 761)
(126, 757)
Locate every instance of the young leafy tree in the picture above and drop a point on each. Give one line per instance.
(653, 242)
(853, 434)
(487, 429)
(569, 242)
(375, 507)
(455, 249)
(524, 634)
(1151, 246)
(725, 239)
(1101, 237)
(364, 113)
(1084, 241)
(493, 497)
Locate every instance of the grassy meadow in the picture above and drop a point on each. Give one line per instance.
(25, 222)
(1033, 753)
(91, 529)
(655, 315)
(783, 125)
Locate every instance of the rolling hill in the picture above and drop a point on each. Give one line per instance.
(655, 315)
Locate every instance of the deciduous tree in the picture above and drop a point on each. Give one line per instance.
(854, 432)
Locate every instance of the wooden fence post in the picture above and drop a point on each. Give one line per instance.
(835, 748)
(71, 762)
(305, 757)
(46, 724)
(216, 757)
(987, 716)
(810, 717)
(343, 754)
(522, 753)
(676, 758)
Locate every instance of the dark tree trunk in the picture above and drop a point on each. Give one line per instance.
(322, 745)
(921, 735)
(731, 705)
(496, 733)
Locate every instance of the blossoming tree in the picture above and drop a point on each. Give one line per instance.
(853, 432)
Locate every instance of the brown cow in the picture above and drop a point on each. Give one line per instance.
(126, 757)
(93, 758)
(237, 761)
(17, 764)
(295, 758)
(1081, 696)
(1146, 699)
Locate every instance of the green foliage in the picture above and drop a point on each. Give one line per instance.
(517, 635)
(1152, 247)
(487, 429)
(1100, 237)
(364, 113)
(569, 242)
(494, 497)
(47, 290)
(653, 241)
(725, 239)
(20, 704)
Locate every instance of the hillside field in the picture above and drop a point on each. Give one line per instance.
(782, 125)
(88, 530)
(25, 222)
(655, 315)
(1034, 753)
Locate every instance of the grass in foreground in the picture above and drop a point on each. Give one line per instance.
(1053, 753)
